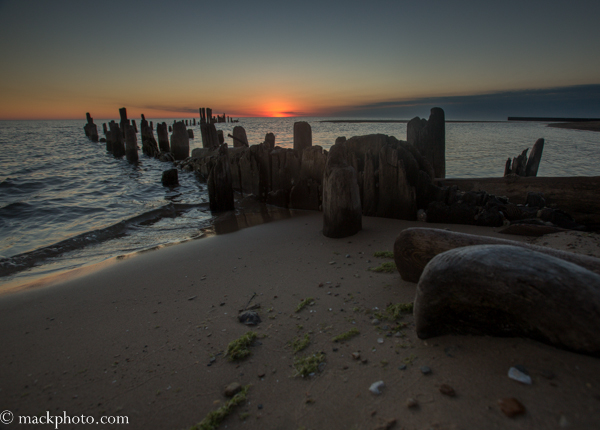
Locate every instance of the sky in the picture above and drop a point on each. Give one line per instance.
(393, 59)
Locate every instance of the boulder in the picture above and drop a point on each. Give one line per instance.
(342, 211)
(502, 290)
(415, 247)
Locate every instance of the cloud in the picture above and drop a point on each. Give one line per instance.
(572, 101)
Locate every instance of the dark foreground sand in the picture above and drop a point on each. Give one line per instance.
(136, 339)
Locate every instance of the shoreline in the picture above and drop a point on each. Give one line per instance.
(144, 338)
(587, 126)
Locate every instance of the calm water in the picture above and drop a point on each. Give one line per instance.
(65, 202)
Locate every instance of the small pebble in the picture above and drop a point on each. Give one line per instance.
(376, 387)
(375, 321)
(356, 355)
(517, 375)
(380, 340)
(411, 403)
(511, 407)
(425, 370)
(260, 406)
(447, 390)
(232, 389)
(402, 367)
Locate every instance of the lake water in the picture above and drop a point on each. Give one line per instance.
(66, 203)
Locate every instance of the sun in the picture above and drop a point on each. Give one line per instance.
(278, 109)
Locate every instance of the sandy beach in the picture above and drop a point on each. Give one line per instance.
(145, 338)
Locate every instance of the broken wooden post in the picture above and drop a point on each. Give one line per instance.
(270, 141)
(239, 137)
(220, 183)
(149, 145)
(302, 135)
(170, 178)
(117, 145)
(210, 138)
(429, 137)
(124, 120)
(163, 137)
(134, 125)
(534, 158)
(190, 133)
(342, 212)
(90, 129)
(180, 141)
(131, 150)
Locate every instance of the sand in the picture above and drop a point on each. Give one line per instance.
(144, 338)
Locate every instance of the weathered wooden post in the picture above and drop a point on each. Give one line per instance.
(149, 145)
(124, 120)
(429, 137)
(131, 144)
(117, 145)
(270, 141)
(163, 137)
(302, 135)
(170, 178)
(190, 133)
(534, 158)
(104, 129)
(180, 142)
(210, 137)
(342, 212)
(239, 137)
(220, 183)
(134, 125)
(90, 129)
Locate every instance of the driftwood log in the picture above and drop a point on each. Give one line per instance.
(504, 290)
(415, 247)
(578, 195)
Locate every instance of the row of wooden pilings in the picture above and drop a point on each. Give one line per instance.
(374, 175)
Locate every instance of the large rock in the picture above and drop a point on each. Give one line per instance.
(429, 137)
(342, 211)
(220, 187)
(180, 141)
(509, 291)
(302, 136)
(415, 247)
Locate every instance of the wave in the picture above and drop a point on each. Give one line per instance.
(20, 262)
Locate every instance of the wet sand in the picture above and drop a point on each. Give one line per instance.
(145, 336)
